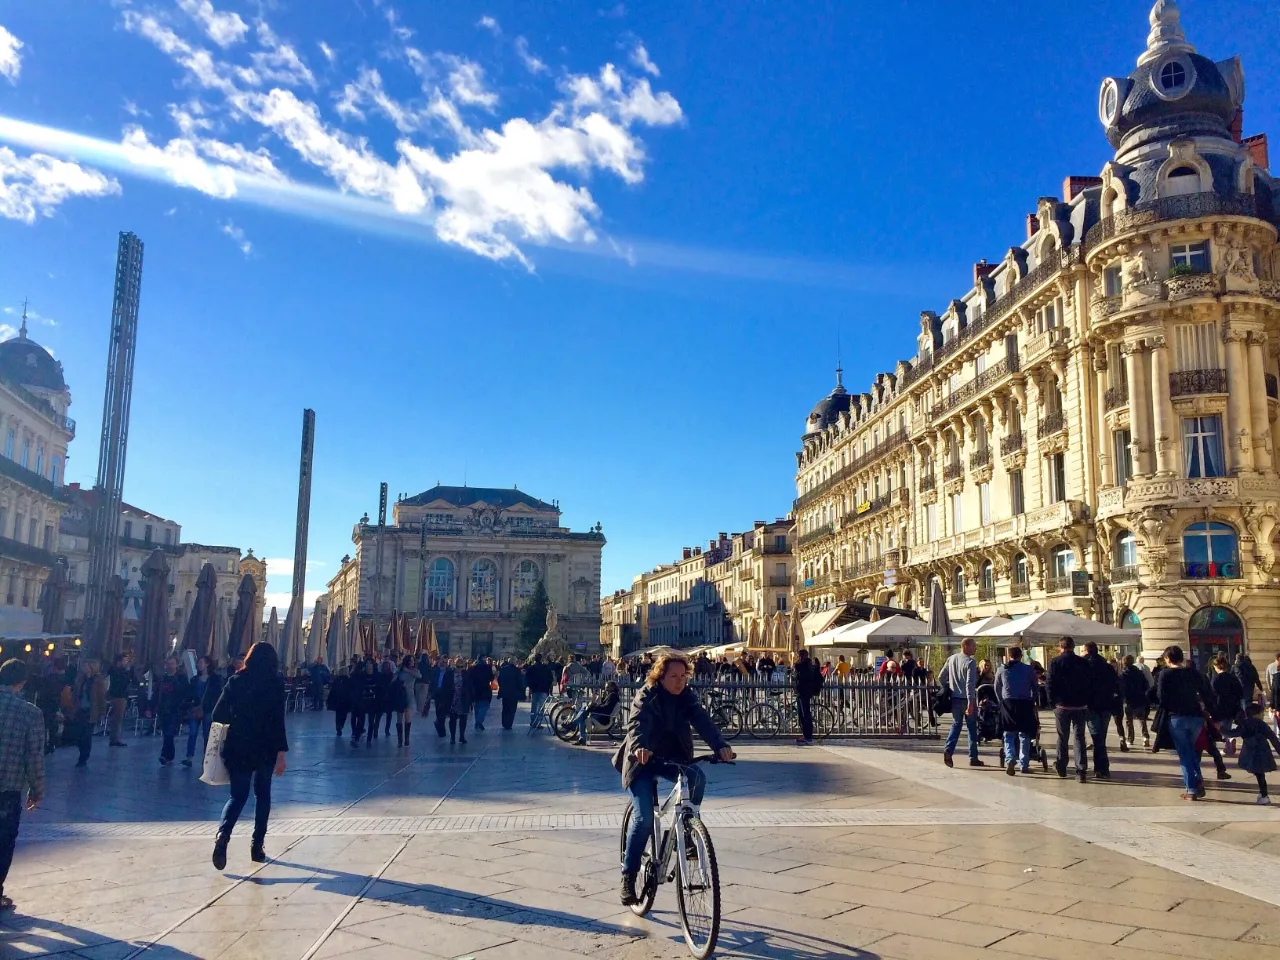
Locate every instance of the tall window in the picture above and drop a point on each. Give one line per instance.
(1052, 397)
(1017, 499)
(980, 435)
(440, 585)
(1189, 257)
(1195, 346)
(1020, 570)
(931, 522)
(55, 471)
(1061, 562)
(18, 518)
(128, 529)
(524, 584)
(1111, 282)
(1124, 456)
(957, 585)
(8, 445)
(168, 536)
(984, 502)
(1117, 369)
(40, 460)
(1202, 446)
(1057, 478)
(146, 533)
(482, 596)
(980, 364)
(26, 452)
(988, 584)
(1210, 550)
(1126, 550)
(955, 513)
(48, 536)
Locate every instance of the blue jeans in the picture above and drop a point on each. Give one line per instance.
(193, 733)
(240, 780)
(536, 700)
(958, 708)
(168, 730)
(10, 818)
(1011, 742)
(1184, 731)
(642, 801)
(482, 710)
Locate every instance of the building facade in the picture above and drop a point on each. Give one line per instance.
(35, 432)
(469, 558)
(1092, 426)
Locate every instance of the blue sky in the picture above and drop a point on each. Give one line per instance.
(599, 251)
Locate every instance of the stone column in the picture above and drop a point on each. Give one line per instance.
(1139, 420)
(1262, 457)
(1163, 425)
(1107, 475)
(1238, 408)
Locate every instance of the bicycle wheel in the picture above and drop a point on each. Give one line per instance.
(698, 890)
(728, 719)
(824, 721)
(562, 722)
(647, 878)
(763, 721)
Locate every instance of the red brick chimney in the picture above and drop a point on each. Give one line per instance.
(1074, 185)
(981, 269)
(1237, 125)
(1257, 147)
(688, 552)
(1033, 225)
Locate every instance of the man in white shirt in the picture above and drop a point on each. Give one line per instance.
(1141, 664)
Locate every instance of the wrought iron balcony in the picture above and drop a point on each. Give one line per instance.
(15, 471)
(927, 482)
(1188, 206)
(1022, 589)
(957, 598)
(1116, 397)
(1185, 383)
(25, 553)
(1215, 570)
(987, 592)
(1126, 573)
(890, 443)
(976, 386)
(1011, 443)
(980, 458)
(1051, 424)
(1057, 584)
(779, 581)
(813, 536)
(952, 471)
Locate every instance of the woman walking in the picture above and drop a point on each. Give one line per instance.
(455, 697)
(1183, 694)
(340, 701)
(252, 703)
(386, 677)
(409, 677)
(365, 694)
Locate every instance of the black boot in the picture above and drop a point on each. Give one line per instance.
(399, 734)
(219, 854)
(256, 853)
(407, 728)
(627, 892)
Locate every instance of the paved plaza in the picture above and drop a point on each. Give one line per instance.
(508, 847)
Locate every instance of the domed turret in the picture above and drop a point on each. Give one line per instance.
(28, 364)
(828, 409)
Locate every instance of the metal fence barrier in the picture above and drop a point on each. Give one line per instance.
(850, 706)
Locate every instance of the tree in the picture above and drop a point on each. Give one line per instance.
(533, 621)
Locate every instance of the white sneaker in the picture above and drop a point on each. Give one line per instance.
(1264, 801)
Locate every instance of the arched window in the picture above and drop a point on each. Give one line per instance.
(440, 585)
(1062, 561)
(1129, 621)
(482, 595)
(1126, 566)
(957, 586)
(1210, 551)
(987, 587)
(524, 583)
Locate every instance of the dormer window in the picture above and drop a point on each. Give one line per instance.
(1172, 77)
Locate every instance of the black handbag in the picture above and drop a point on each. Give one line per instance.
(941, 701)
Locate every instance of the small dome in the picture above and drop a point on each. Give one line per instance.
(27, 363)
(827, 411)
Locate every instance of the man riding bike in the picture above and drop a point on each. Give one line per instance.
(658, 730)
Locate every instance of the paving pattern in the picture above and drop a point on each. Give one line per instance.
(507, 847)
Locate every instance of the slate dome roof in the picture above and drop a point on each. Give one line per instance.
(27, 363)
(828, 410)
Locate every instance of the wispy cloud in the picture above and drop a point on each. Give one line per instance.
(640, 57)
(32, 315)
(489, 23)
(8, 331)
(327, 51)
(224, 29)
(35, 185)
(10, 59)
(238, 235)
(532, 63)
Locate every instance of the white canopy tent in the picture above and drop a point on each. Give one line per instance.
(886, 631)
(981, 628)
(820, 621)
(1052, 624)
(832, 637)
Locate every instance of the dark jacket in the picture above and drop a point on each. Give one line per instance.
(1133, 687)
(664, 724)
(1258, 742)
(481, 677)
(1069, 681)
(365, 693)
(254, 708)
(602, 704)
(510, 682)
(120, 679)
(1104, 684)
(212, 691)
(382, 686)
(339, 694)
(808, 678)
(1181, 692)
(444, 695)
(397, 695)
(1228, 696)
(173, 696)
(1247, 674)
(539, 677)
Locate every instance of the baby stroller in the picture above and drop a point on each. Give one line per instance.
(989, 707)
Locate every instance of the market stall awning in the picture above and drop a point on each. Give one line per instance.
(820, 620)
(1053, 624)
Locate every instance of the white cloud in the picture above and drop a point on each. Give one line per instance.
(466, 83)
(33, 186)
(640, 57)
(181, 163)
(327, 51)
(368, 89)
(531, 62)
(283, 567)
(10, 59)
(32, 315)
(277, 62)
(490, 24)
(238, 236)
(224, 29)
(281, 601)
(8, 331)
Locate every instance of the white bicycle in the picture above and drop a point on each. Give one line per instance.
(679, 835)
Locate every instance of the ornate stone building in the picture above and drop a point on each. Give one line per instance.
(1092, 426)
(35, 432)
(469, 558)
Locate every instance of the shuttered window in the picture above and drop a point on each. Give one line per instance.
(1195, 346)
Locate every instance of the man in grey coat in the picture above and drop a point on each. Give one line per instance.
(960, 676)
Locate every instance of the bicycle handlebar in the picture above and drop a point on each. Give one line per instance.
(705, 758)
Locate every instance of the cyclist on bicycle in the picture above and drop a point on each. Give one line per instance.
(658, 730)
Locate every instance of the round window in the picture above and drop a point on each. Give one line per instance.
(1172, 78)
(1108, 101)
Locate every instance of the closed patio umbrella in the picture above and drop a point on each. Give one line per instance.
(406, 634)
(433, 645)
(198, 636)
(333, 642)
(287, 649)
(240, 635)
(273, 630)
(111, 626)
(53, 598)
(153, 626)
(939, 622)
(393, 633)
(221, 627)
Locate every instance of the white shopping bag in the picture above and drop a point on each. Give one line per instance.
(215, 771)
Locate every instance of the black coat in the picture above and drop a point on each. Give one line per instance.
(339, 694)
(212, 691)
(382, 685)
(539, 677)
(1247, 674)
(1068, 682)
(664, 724)
(1228, 695)
(1134, 688)
(254, 708)
(364, 693)
(1104, 684)
(481, 677)
(808, 678)
(444, 694)
(510, 682)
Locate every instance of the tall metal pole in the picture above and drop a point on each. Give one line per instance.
(377, 554)
(114, 444)
(304, 517)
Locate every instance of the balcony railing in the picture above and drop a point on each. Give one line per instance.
(779, 581)
(25, 553)
(987, 592)
(952, 471)
(1215, 570)
(927, 482)
(15, 471)
(1011, 443)
(1126, 573)
(995, 372)
(1057, 584)
(1051, 424)
(865, 509)
(1022, 589)
(813, 536)
(776, 548)
(891, 442)
(980, 458)
(957, 598)
(864, 568)
(1116, 397)
(1185, 383)
(1183, 207)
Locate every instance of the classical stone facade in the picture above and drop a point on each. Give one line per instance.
(34, 433)
(753, 580)
(468, 558)
(1093, 425)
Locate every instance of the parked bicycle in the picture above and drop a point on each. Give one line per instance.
(680, 851)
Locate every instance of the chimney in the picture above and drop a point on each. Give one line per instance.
(980, 270)
(758, 523)
(688, 552)
(697, 551)
(1237, 125)
(1033, 225)
(1257, 147)
(711, 545)
(1073, 186)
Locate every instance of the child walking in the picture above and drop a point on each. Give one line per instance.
(1255, 754)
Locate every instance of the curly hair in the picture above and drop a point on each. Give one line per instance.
(659, 668)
